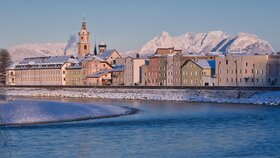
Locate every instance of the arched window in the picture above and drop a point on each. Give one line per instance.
(85, 46)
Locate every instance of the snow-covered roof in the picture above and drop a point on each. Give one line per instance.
(46, 60)
(50, 62)
(105, 55)
(100, 73)
(93, 57)
(192, 54)
(75, 66)
(206, 63)
(117, 68)
(12, 66)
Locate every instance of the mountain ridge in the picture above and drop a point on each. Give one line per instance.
(190, 42)
(212, 41)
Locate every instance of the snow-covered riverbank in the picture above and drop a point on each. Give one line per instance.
(199, 95)
(20, 112)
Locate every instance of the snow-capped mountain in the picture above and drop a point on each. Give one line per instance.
(19, 52)
(200, 43)
(215, 41)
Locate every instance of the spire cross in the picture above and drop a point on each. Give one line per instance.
(84, 19)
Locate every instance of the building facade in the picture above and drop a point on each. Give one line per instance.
(167, 51)
(75, 75)
(157, 69)
(100, 78)
(197, 73)
(40, 71)
(243, 70)
(110, 56)
(173, 69)
(128, 71)
(137, 70)
(118, 75)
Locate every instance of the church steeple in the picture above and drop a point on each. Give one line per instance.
(95, 49)
(84, 24)
(84, 43)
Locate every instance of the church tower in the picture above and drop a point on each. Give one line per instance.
(102, 47)
(83, 45)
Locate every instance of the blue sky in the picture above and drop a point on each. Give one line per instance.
(127, 25)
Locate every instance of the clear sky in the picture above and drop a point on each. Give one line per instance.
(128, 24)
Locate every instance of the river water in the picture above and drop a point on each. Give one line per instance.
(159, 129)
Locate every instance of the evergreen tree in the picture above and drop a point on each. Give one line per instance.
(5, 61)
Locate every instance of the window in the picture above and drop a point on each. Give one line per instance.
(246, 64)
(227, 62)
(85, 47)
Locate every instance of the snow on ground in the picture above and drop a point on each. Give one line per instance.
(216, 96)
(33, 112)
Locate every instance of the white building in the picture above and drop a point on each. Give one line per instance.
(39, 71)
(137, 70)
(133, 70)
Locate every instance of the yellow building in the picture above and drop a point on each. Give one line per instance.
(75, 75)
(193, 72)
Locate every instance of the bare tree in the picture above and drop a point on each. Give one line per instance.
(5, 61)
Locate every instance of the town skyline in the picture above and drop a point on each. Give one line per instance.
(26, 22)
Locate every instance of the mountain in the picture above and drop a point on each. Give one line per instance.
(214, 41)
(19, 52)
(200, 43)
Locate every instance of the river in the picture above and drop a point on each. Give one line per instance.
(159, 129)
